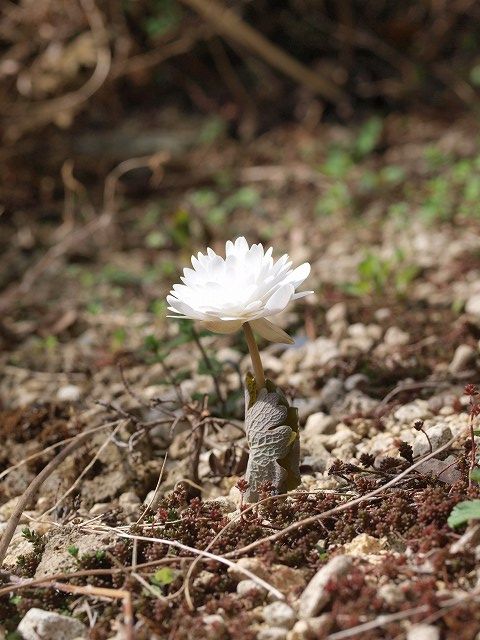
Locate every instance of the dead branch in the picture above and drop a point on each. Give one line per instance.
(49, 110)
(34, 487)
(103, 592)
(232, 26)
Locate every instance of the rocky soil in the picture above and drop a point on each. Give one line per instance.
(382, 354)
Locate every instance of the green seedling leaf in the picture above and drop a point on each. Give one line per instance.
(213, 368)
(73, 551)
(368, 137)
(464, 512)
(163, 577)
(475, 474)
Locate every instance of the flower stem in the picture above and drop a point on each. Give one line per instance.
(255, 356)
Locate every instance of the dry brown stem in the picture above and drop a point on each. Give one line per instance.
(229, 24)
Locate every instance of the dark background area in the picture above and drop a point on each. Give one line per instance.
(94, 83)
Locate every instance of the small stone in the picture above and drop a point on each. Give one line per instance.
(8, 508)
(235, 496)
(272, 633)
(223, 503)
(395, 337)
(149, 497)
(360, 330)
(315, 596)
(307, 407)
(363, 545)
(19, 546)
(254, 565)
(311, 628)
(463, 357)
(392, 594)
(291, 358)
(99, 508)
(342, 435)
(319, 353)
(285, 579)
(227, 354)
(355, 402)
(354, 381)
(69, 393)
(320, 423)
(279, 614)
(129, 497)
(271, 363)
(38, 623)
(129, 501)
(203, 579)
(331, 392)
(411, 411)
(214, 626)
(423, 632)
(316, 463)
(382, 314)
(473, 305)
(361, 343)
(245, 587)
(337, 312)
(441, 400)
(439, 435)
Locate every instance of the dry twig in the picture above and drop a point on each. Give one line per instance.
(231, 25)
(33, 488)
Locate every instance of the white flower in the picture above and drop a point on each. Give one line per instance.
(245, 286)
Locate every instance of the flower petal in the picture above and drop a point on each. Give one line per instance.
(223, 326)
(184, 309)
(271, 331)
(279, 300)
(299, 274)
(302, 294)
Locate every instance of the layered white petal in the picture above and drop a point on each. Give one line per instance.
(271, 331)
(279, 300)
(246, 285)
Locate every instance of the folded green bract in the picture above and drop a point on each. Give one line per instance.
(271, 427)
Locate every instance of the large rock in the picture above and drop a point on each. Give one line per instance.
(315, 596)
(56, 557)
(38, 623)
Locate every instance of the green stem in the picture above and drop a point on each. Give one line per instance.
(255, 356)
